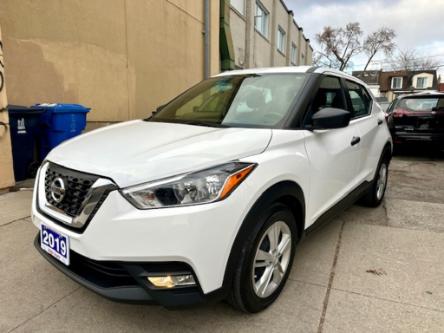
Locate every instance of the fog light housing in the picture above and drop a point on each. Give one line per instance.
(172, 281)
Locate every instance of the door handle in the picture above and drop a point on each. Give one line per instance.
(355, 140)
(380, 121)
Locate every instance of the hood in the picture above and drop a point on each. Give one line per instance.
(138, 151)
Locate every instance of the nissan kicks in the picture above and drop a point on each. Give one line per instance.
(208, 197)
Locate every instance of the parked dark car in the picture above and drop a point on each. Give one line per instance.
(417, 119)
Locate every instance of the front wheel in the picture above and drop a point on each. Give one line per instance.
(266, 261)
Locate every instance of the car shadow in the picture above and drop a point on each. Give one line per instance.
(419, 153)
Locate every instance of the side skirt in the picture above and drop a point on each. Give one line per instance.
(339, 207)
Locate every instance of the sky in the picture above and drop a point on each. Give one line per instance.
(419, 24)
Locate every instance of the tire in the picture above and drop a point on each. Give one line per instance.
(376, 192)
(247, 293)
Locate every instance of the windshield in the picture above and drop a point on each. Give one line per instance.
(419, 104)
(241, 100)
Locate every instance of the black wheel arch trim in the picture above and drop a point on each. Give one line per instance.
(388, 146)
(286, 192)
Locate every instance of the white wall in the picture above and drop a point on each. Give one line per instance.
(429, 82)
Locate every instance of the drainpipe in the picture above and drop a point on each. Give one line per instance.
(273, 30)
(226, 52)
(207, 52)
(249, 26)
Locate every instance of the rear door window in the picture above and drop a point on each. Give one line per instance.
(329, 95)
(359, 100)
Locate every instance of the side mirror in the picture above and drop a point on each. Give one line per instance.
(330, 118)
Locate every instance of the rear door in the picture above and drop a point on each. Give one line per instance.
(333, 154)
(366, 117)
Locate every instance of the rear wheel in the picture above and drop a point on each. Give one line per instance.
(266, 260)
(376, 193)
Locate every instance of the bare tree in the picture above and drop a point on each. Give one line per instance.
(410, 60)
(321, 59)
(338, 45)
(380, 40)
(404, 60)
(426, 64)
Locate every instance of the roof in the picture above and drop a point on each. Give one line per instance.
(424, 93)
(267, 70)
(289, 69)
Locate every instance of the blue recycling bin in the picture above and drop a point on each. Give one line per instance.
(25, 131)
(60, 122)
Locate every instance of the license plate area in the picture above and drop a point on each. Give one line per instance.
(55, 243)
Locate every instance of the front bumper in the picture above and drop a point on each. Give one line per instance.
(126, 281)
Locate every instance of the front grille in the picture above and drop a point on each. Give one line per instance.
(77, 187)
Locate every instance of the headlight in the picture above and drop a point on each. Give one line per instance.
(189, 189)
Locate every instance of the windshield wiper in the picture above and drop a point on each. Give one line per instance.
(186, 121)
(199, 123)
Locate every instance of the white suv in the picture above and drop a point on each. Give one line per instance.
(208, 198)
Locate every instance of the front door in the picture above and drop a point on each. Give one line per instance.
(334, 154)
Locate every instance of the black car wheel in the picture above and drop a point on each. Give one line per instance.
(376, 192)
(265, 261)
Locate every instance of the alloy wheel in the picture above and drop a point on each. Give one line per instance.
(381, 182)
(272, 259)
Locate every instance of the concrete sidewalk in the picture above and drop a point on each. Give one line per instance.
(378, 270)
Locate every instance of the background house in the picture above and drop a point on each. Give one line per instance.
(121, 58)
(124, 58)
(393, 83)
(265, 34)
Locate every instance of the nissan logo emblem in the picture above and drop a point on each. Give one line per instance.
(58, 189)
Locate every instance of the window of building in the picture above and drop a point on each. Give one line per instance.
(421, 82)
(261, 19)
(281, 39)
(359, 98)
(294, 54)
(397, 82)
(239, 5)
(303, 59)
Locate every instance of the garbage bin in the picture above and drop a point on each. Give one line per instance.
(60, 122)
(25, 126)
